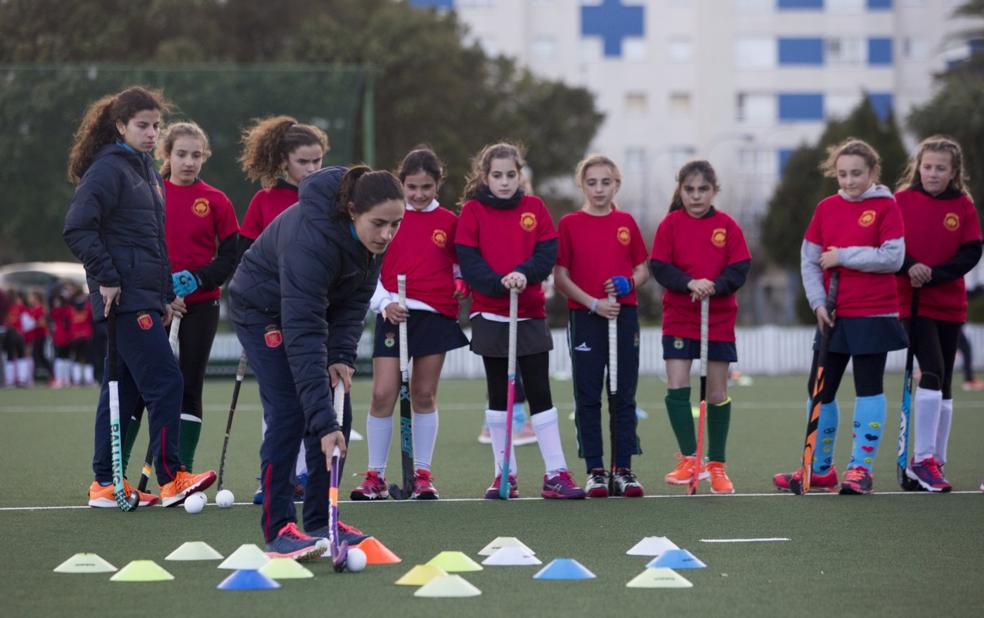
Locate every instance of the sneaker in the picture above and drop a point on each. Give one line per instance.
(349, 534)
(680, 475)
(184, 484)
(624, 483)
(720, 483)
(103, 497)
(258, 496)
(818, 482)
(857, 481)
(973, 385)
(927, 473)
(561, 487)
(597, 484)
(484, 437)
(423, 488)
(299, 485)
(525, 435)
(292, 543)
(492, 493)
(372, 488)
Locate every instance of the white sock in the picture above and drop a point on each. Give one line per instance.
(424, 436)
(548, 437)
(927, 422)
(379, 434)
(89, 374)
(23, 371)
(496, 420)
(943, 431)
(9, 373)
(76, 373)
(301, 466)
(60, 371)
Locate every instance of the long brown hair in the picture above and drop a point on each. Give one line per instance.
(704, 168)
(937, 143)
(268, 141)
(363, 188)
(171, 134)
(98, 126)
(482, 163)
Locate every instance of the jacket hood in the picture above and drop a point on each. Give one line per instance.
(871, 192)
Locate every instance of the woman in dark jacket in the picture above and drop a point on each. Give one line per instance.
(298, 301)
(115, 227)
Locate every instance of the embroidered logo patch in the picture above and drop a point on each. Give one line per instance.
(678, 343)
(200, 207)
(389, 340)
(719, 237)
(144, 321)
(273, 337)
(867, 218)
(624, 236)
(951, 221)
(440, 238)
(527, 221)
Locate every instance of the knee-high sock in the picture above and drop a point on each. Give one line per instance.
(300, 466)
(927, 413)
(823, 456)
(869, 420)
(379, 433)
(943, 432)
(191, 430)
(547, 431)
(76, 373)
(718, 422)
(681, 419)
(132, 429)
(424, 437)
(496, 420)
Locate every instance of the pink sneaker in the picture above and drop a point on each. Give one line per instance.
(372, 488)
(929, 476)
(818, 482)
(561, 487)
(492, 493)
(423, 487)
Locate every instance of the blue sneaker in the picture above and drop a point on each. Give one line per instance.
(258, 496)
(300, 483)
(292, 543)
(349, 534)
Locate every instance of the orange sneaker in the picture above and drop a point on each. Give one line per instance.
(103, 498)
(185, 484)
(680, 475)
(720, 483)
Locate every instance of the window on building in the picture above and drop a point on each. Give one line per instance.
(635, 158)
(754, 6)
(636, 102)
(782, 158)
(794, 5)
(845, 6)
(915, 48)
(543, 48)
(755, 108)
(801, 51)
(840, 105)
(800, 106)
(680, 48)
(679, 155)
(880, 5)
(846, 51)
(880, 51)
(634, 49)
(755, 53)
(883, 102)
(681, 103)
(756, 161)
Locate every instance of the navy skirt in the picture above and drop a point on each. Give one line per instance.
(875, 335)
(684, 348)
(427, 333)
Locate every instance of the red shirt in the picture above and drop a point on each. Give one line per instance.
(934, 231)
(265, 206)
(199, 218)
(40, 330)
(702, 248)
(81, 321)
(13, 320)
(869, 223)
(423, 250)
(61, 323)
(594, 249)
(506, 239)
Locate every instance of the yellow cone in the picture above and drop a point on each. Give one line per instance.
(504, 541)
(194, 550)
(85, 563)
(247, 557)
(659, 577)
(447, 586)
(454, 562)
(420, 575)
(285, 568)
(142, 571)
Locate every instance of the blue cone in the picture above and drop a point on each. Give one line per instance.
(248, 579)
(676, 559)
(564, 568)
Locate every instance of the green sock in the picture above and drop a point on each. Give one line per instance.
(132, 429)
(191, 430)
(681, 418)
(718, 421)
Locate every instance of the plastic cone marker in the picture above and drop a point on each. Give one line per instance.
(247, 579)
(377, 553)
(248, 556)
(142, 571)
(652, 546)
(420, 575)
(504, 541)
(454, 562)
(659, 578)
(285, 568)
(676, 559)
(564, 568)
(447, 586)
(194, 550)
(85, 563)
(512, 556)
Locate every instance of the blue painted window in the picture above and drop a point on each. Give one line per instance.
(800, 107)
(880, 50)
(784, 5)
(879, 5)
(437, 4)
(882, 102)
(800, 50)
(613, 21)
(782, 158)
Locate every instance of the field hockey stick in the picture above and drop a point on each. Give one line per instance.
(240, 375)
(802, 486)
(406, 417)
(131, 502)
(172, 337)
(902, 459)
(705, 310)
(612, 389)
(339, 549)
(504, 485)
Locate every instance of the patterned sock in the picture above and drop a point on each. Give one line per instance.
(424, 437)
(547, 431)
(132, 429)
(927, 422)
(823, 457)
(718, 421)
(379, 434)
(943, 433)
(681, 419)
(191, 430)
(869, 418)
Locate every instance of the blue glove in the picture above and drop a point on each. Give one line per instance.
(623, 285)
(185, 282)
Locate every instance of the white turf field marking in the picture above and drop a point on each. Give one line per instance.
(770, 539)
(534, 498)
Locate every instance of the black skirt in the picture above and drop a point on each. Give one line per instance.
(491, 338)
(874, 335)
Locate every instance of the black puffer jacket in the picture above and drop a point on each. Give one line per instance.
(115, 227)
(308, 273)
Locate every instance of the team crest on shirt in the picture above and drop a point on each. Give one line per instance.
(144, 321)
(623, 236)
(527, 221)
(719, 237)
(678, 343)
(440, 238)
(390, 340)
(867, 218)
(273, 337)
(200, 207)
(951, 221)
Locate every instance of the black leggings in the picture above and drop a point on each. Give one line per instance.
(935, 343)
(13, 344)
(40, 359)
(869, 374)
(535, 370)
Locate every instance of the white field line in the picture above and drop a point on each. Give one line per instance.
(770, 539)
